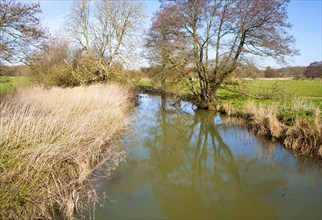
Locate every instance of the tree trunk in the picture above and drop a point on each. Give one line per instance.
(208, 96)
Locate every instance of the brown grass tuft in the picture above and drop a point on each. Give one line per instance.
(305, 136)
(226, 108)
(263, 120)
(51, 141)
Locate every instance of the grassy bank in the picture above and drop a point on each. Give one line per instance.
(286, 94)
(287, 111)
(303, 137)
(50, 141)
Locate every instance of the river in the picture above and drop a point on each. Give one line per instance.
(184, 163)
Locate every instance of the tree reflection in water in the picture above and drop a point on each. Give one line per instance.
(194, 173)
(180, 166)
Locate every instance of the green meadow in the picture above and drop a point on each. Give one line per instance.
(268, 91)
(8, 84)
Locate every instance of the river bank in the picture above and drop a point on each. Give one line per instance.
(302, 135)
(51, 141)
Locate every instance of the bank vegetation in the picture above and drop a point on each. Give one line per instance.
(52, 139)
(303, 137)
(286, 118)
(50, 142)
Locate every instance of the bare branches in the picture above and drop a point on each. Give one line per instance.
(105, 30)
(168, 46)
(20, 30)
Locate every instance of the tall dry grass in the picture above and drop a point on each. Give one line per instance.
(51, 141)
(304, 137)
(263, 120)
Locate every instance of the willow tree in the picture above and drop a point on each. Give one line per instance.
(224, 32)
(104, 31)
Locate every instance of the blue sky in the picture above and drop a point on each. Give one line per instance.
(305, 15)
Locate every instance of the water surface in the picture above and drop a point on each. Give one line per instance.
(184, 163)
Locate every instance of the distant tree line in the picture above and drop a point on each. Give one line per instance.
(314, 70)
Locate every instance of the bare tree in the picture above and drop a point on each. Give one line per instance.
(20, 30)
(227, 31)
(104, 31)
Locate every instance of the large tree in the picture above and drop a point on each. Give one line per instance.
(223, 33)
(104, 30)
(20, 30)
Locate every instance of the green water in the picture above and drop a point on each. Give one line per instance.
(184, 163)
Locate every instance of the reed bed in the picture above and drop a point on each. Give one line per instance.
(51, 141)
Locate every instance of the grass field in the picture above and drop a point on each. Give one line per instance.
(8, 84)
(298, 88)
(278, 92)
(263, 89)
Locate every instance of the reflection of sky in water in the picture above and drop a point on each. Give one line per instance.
(247, 145)
(188, 107)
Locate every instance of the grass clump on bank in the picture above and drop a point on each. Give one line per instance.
(304, 136)
(51, 141)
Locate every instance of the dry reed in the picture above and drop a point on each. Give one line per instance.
(263, 120)
(304, 137)
(51, 141)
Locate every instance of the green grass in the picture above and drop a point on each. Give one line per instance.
(8, 84)
(145, 84)
(264, 89)
(299, 88)
(275, 89)
(293, 98)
